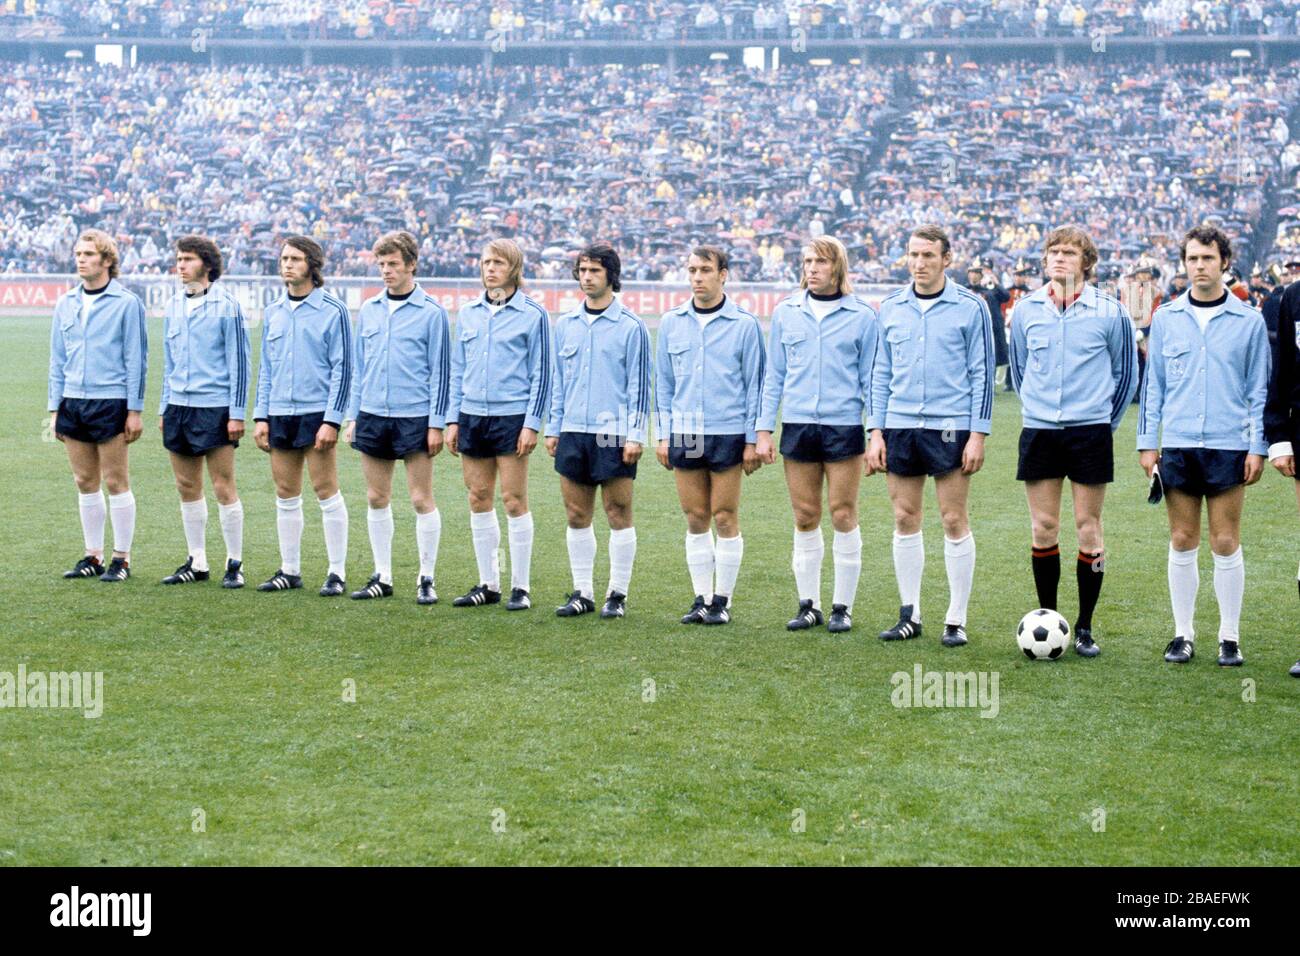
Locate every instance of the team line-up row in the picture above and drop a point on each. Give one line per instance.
(404, 382)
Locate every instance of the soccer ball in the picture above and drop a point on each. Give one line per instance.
(1043, 635)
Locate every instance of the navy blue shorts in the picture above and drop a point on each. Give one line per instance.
(92, 420)
(487, 436)
(292, 432)
(714, 452)
(195, 431)
(911, 452)
(804, 441)
(1083, 453)
(1202, 472)
(390, 438)
(582, 458)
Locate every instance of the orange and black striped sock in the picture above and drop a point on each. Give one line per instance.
(1047, 574)
(1089, 572)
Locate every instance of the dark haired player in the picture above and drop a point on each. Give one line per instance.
(204, 393)
(600, 407)
(303, 386)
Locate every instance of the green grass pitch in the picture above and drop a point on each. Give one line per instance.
(484, 737)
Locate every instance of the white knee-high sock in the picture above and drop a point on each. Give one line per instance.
(428, 532)
(379, 522)
(809, 548)
(121, 512)
(194, 516)
(93, 516)
(232, 529)
(582, 559)
(959, 559)
(729, 553)
(486, 532)
(700, 563)
(847, 549)
(334, 519)
(1229, 585)
(1184, 581)
(622, 552)
(909, 568)
(520, 530)
(288, 527)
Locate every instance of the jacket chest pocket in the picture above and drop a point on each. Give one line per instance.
(900, 346)
(1175, 355)
(174, 342)
(469, 341)
(1040, 352)
(796, 346)
(569, 358)
(277, 340)
(680, 353)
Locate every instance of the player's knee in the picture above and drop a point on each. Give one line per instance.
(955, 523)
(116, 483)
(1225, 542)
(1184, 539)
(577, 517)
(224, 488)
(1046, 530)
(806, 517)
(422, 502)
(86, 484)
(480, 499)
(844, 516)
(697, 520)
(727, 521)
(515, 503)
(619, 515)
(375, 499)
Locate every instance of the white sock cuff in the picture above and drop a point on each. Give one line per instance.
(959, 546)
(483, 519)
(380, 514)
(808, 540)
(332, 504)
(196, 508)
(235, 507)
(1182, 557)
(914, 540)
(730, 545)
(523, 522)
(580, 534)
(435, 515)
(99, 495)
(289, 504)
(623, 535)
(125, 498)
(848, 540)
(1228, 561)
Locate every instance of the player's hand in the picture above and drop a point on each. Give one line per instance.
(1148, 460)
(262, 435)
(160, 423)
(1254, 468)
(661, 453)
(972, 456)
(435, 441)
(54, 421)
(1286, 465)
(134, 427)
(631, 452)
(235, 429)
(875, 457)
(764, 448)
(552, 442)
(751, 462)
(327, 436)
(350, 432)
(451, 434)
(527, 442)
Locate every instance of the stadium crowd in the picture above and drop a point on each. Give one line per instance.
(557, 157)
(643, 20)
